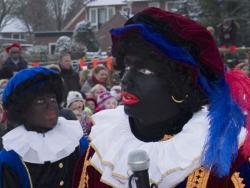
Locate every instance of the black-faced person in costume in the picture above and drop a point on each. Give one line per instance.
(44, 149)
(180, 106)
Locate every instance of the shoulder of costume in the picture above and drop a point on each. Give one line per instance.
(14, 162)
(110, 115)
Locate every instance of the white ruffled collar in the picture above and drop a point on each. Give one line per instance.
(171, 161)
(52, 146)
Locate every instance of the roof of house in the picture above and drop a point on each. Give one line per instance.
(96, 3)
(138, 0)
(14, 25)
(74, 19)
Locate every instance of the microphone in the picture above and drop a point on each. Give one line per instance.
(138, 162)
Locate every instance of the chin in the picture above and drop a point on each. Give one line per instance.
(52, 123)
(131, 111)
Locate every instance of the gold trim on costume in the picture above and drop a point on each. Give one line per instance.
(237, 180)
(108, 163)
(198, 179)
(84, 176)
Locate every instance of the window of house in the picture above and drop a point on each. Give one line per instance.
(126, 10)
(174, 6)
(93, 16)
(15, 36)
(154, 4)
(99, 16)
(6, 35)
(52, 48)
(111, 12)
(102, 16)
(22, 36)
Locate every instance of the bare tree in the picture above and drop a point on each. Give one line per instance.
(6, 9)
(59, 10)
(35, 15)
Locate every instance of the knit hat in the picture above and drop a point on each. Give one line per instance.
(74, 96)
(101, 98)
(14, 45)
(190, 44)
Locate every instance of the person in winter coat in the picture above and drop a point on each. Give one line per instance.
(14, 62)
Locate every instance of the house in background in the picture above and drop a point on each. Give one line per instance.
(98, 12)
(80, 16)
(15, 31)
(107, 14)
(47, 39)
(103, 35)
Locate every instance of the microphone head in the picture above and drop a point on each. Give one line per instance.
(138, 160)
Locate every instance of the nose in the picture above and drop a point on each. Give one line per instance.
(50, 105)
(127, 80)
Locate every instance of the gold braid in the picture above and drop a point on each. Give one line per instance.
(84, 176)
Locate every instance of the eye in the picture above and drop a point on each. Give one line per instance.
(52, 99)
(40, 101)
(145, 71)
(127, 68)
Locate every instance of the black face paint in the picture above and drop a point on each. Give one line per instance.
(42, 113)
(154, 98)
(148, 102)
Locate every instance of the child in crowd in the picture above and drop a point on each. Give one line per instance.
(106, 101)
(91, 104)
(97, 90)
(115, 91)
(76, 103)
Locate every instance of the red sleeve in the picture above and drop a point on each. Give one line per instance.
(86, 175)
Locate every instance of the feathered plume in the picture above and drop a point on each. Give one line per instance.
(239, 85)
(226, 120)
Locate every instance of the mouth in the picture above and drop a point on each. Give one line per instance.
(51, 115)
(129, 99)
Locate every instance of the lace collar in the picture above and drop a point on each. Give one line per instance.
(171, 161)
(51, 146)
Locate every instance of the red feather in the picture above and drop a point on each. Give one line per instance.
(239, 85)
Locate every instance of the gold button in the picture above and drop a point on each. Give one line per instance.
(60, 165)
(61, 183)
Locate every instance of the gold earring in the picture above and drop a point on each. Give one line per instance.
(179, 101)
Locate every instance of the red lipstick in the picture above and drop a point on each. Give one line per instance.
(129, 99)
(51, 115)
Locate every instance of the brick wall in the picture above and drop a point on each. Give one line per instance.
(103, 35)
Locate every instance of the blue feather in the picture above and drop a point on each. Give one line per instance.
(170, 49)
(226, 120)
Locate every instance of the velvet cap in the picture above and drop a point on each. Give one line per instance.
(179, 32)
(39, 74)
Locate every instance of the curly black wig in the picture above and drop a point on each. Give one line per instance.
(22, 95)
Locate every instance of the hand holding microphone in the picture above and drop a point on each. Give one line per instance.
(138, 162)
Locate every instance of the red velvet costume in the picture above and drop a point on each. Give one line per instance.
(210, 137)
(89, 175)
